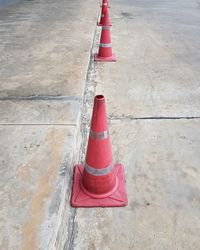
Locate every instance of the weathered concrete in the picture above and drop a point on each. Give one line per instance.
(44, 52)
(161, 159)
(157, 46)
(44, 60)
(61, 112)
(33, 178)
(156, 77)
(45, 47)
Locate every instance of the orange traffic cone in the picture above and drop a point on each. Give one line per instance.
(99, 182)
(105, 19)
(105, 48)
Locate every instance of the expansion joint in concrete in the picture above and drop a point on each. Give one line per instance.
(129, 117)
(40, 98)
(71, 231)
(38, 124)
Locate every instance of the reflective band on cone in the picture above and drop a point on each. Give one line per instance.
(98, 172)
(99, 135)
(105, 28)
(105, 45)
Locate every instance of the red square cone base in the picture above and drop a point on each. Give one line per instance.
(98, 58)
(117, 199)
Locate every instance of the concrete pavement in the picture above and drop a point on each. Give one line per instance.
(44, 48)
(153, 102)
(162, 178)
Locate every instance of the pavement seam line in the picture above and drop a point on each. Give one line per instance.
(40, 98)
(112, 118)
(38, 124)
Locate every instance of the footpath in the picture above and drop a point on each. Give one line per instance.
(48, 81)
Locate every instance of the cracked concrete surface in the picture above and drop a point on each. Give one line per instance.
(46, 95)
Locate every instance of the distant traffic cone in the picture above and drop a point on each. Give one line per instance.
(105, 48)
(105, 19)
(99, 182)
(105, 2)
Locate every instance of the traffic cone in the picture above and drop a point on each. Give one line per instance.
(105, 2)
(99, 182)
(105, 19)
(105, 48)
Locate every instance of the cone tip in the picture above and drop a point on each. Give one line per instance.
(99, 99)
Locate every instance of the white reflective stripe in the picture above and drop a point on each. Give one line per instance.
(105, 27)
(98, 172)
(104, 4)
(99, 135)
(105, 45)
(102, 15)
